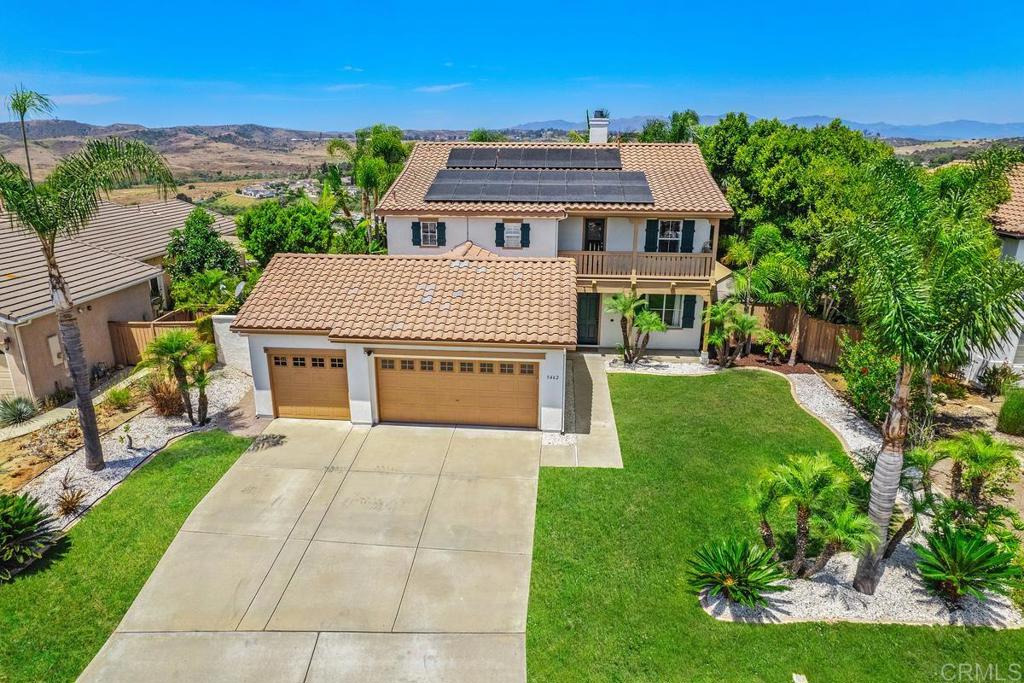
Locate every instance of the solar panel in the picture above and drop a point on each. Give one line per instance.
(548, 185)
(577, 156)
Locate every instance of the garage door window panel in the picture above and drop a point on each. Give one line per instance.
(298, 361)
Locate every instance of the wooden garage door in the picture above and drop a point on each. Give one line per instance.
(309, 383)
(500, 393)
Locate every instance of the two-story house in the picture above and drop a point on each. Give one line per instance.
(632, 216)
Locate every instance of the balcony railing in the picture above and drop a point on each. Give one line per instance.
(642, 265)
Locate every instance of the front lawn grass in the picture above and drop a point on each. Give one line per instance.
(608, 599)
(55, 617)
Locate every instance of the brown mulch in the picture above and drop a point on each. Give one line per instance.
(758, 360)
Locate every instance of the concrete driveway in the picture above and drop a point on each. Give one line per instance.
(333, 553)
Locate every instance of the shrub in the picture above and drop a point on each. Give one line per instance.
(1011, 415)
(69, 501)
(957, 563)
(16, 410)
(870, 379)
(737, 570)
(57, 398)
(26, 530)
(164, 398)
(997, 379)
(121, 398)
(950, 386)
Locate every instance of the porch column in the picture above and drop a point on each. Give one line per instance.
(636, 230)
(707, 330)
(714, 247)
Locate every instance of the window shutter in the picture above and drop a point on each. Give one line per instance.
(651, 236)
(499, 234)
(689, 308)
(686, 242)
(525, 237)
(416, 234)
(440, 235)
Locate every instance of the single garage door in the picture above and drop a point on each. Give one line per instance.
(309, 383)
(498, 392)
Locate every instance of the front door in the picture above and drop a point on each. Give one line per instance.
(593, 234)
(588, 314)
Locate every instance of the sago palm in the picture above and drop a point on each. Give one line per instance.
(805, 483)
(58, 208)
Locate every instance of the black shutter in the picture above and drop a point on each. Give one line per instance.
(416, 234)
(499, 234)
(686, 242)
(689, 308)
(525, 236)
(440, 235)
(651, 236)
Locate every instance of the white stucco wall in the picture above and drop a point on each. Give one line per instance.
(1011, 248)
(619, 234)
(362, 382)
(232, 348)
(688, 339)
(480, 230)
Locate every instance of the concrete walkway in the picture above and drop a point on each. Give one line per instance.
(333, 553)
(590, 421)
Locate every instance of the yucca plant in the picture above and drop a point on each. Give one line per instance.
(26, 531)
(15, 410)
(957, 563)
(738, 570)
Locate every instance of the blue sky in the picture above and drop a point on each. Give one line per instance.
(341, 65)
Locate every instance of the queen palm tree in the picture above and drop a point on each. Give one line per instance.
(805, 483)
(58, 208)
(177, 352)
(930, 288)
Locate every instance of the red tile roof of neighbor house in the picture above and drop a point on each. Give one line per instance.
(676, 172)
(1008, 218)
(416, 299)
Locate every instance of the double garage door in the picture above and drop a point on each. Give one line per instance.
(489, 392)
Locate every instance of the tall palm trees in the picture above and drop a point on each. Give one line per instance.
(58, 207)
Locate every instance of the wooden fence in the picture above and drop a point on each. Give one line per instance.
(130, 338)
(819, 340)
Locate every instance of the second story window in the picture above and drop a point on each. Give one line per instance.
(513, 235)
(428, 234)
(669, 234)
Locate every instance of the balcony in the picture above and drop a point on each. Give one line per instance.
(642, 265)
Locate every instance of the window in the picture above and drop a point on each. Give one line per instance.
(298, 361)
(669, 307)
(316, 362)
(506, 368)
(339, 362)
(447, 366)
(427, 365)
(526, 368)
(280, 361)
(513, 235)
(487, 368)
(428, 234)
(387, 364)
(408, 365)
(670, 234)
(465, 367)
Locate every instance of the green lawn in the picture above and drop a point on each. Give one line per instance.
(56, 616)
(608, 601)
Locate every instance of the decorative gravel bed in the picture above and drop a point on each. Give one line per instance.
(901, 598)
(648, 366)
(149, 433)
(814, 394)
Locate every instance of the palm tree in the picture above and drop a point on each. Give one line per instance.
(646, 322)
(786, 280)
(804, 483)
(199, 374)
(58, 208)
(627, 305)
(842, 528)
(761, 498)
(977, 459)
(177, 352)
(741, 327)
(930, 288)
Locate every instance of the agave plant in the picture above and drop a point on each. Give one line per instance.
(16, 410)
(957, 563)
(26, 531)
(737, 570)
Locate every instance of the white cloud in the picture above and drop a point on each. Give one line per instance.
(449, 64)
(441, 88)
(84, 99)
(341, 87)
(349, 67)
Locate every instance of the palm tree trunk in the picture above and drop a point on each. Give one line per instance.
(803, 534)
(974, 493)
(203, 407)
(627, 355)
(886, 479)
(795, 339)
(956, 480)
(182, 380)
(28, 159)
(768, 537)
(900, 534)
(827, 553)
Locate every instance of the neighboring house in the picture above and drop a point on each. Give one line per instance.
(114, 270)
(631, 216)
(462, 338)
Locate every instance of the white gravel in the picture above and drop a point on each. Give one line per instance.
(149, 434)
(901, 598)
(648, 366)
(814, 394)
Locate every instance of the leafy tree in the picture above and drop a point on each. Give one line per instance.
(197, 247)
(59, 207)
(299, 227)
(214, 291)
(484, 135)
(682, 126)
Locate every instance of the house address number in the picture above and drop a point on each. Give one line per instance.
(553, 377)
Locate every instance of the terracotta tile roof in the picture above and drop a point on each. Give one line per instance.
(469, 250)
(1008, 218)
(416, 298)
(677, 174)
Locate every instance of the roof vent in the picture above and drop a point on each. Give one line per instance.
(598, 124)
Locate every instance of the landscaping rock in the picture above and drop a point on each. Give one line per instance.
(651, 366)
(814, 394)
